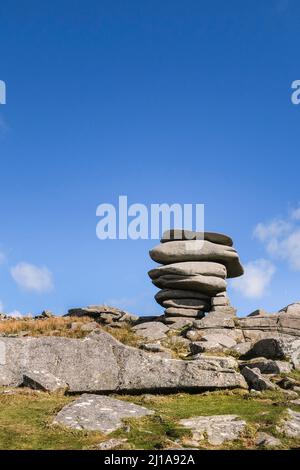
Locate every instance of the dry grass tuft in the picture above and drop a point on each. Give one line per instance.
(124, 334)
(56, 326)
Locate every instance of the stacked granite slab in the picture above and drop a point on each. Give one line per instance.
(193, 272)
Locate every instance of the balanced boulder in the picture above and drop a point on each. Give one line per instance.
(193, 272)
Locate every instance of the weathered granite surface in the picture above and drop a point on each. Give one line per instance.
(100, 363)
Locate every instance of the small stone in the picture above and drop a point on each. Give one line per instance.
(290, 394)
(90, 326)
(296, 402)
(153, 347)
(111, 444)
(216, 429)
(23, 333)
(151, 330)
(266, 440)
(255, 379)
(290, 425)
(287, 383)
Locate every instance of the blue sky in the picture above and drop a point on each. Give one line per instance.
(163, 101)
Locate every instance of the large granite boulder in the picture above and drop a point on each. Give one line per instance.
(100, 363)
(277, 347)
(98, 413)
(166, 294)
(268, 366)
(190, 268)
(208, 285)
(185, 303)
(183, 312)
(198, 250)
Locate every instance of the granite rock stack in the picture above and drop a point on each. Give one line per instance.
(193, 272)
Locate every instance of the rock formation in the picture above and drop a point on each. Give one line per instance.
(100, 363)
(193, 272)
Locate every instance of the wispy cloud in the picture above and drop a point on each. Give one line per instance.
(32, 278)
(295, 214)
(273, 229)
(256, 280)
(281, 238)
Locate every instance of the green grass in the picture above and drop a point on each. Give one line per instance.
(26, 417)
(156, 432)
(25, 423)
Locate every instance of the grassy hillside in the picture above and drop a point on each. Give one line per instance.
(26, 417)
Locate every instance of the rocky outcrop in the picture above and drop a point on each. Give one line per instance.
(104, 314)
(193, 274)
(99, 363)
(285, 322)
(98, 413)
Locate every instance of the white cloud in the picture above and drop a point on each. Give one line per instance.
(274, 229)
(289, 249)
(281, 238)
(256, 280)
(32, 278)
(295, 214)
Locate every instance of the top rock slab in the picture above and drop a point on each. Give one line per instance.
(180, 234)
